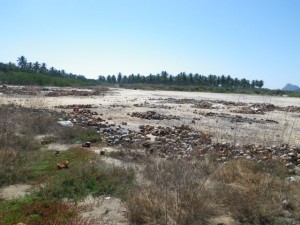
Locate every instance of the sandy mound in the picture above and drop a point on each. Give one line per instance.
(14, 191)
(104, 210)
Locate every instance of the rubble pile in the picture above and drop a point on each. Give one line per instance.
(229, 103)
(184, 142)
(290, 109)
(118, 106)
(203, 105)
(152, 106)
(58, 93)
(179, 101)
(162, 141)
(236, 118)
(258, 108)
(85, 117)
(262, 108)
(289, 155)
(152, 115)
(265, 107)
(8, 90)
(173, 141)
(53, 92)
(80, 106)
(248, 110)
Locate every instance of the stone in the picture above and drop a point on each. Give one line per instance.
(297, 170)
(86, 144)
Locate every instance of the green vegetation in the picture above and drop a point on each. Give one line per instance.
(183, 79)
(24, 160)
(78, 135)
(25, 78)
(28, 73)
(86, 177)
(34, 210)
(193, 88)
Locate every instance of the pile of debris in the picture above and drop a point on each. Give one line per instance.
(118, 106)
(262, 108)
(229, 103)
(184, 142)
(179, 101)
(19, 90)
(58, 93)
(236, 118)
(289, 155)
(290, 109)
(258, 108)
(152, 115)
(249, 110)
(85, 117)
(203, 105)
(152, 106)
(80, 106)
(163, 141)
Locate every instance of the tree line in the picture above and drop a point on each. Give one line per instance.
(183, 79)
(163, 78)
(37, 68)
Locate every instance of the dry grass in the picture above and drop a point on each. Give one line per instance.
(189, 192)
(174, 193)
(251, 196)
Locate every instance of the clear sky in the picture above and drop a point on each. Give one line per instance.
(255, 39)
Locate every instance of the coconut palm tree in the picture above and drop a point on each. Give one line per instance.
(36, 67)
(43, 68)
(22, 62)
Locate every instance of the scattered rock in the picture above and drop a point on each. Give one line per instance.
(63, 165)
(152, 115)
(86, 144)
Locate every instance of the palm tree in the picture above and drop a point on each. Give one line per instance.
(259, 83)
(119, 79)
(52, 71)
(22, 62)
(36, 67)
(12, 66)
(30, 67)
(43, 68)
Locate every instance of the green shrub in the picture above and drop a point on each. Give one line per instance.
(85, 178)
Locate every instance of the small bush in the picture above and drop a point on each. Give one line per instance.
(76, 134)
(174, 193)
(88, 178)
(48, 140)
(251, 195)
(36, 211)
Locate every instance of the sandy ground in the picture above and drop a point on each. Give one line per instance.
(14, 191)
(116, 105)
(104, 210)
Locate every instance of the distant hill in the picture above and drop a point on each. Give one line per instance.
(291, 87)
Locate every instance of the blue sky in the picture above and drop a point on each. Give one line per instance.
(255, 39)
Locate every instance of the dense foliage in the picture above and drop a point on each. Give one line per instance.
(183, 79)
(28, 73)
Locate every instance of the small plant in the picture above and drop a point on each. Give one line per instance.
(35, 211)
(86, 178)
(48, 140)
(76, 134)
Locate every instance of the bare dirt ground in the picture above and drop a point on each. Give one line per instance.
(104, 210)
(271, 127)
(14, 191)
